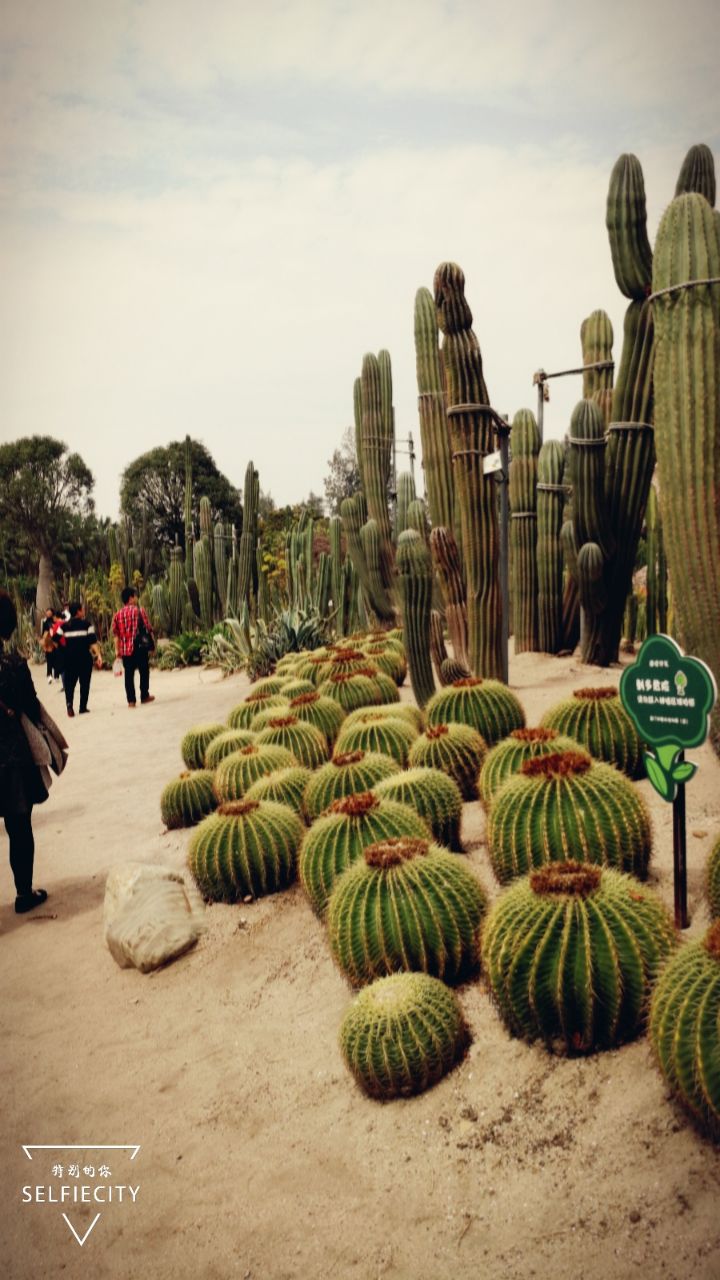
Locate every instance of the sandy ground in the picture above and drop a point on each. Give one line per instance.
(259, 1157)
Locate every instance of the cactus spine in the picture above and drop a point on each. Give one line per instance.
(435, 441)
(471, 436)
(523, 530)
(687, 420)
(416, 588)
(550, 499)
(685, 1027)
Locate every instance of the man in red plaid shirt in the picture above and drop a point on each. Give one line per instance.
(134, 642)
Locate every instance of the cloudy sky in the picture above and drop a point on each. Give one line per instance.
(210, 211)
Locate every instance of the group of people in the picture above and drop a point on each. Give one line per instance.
(73, 639)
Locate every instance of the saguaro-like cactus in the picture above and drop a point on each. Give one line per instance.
(196, 742)
(697, 173)
(523, 530)
(446, 559)
(471, 435)
(657, 585)
(189, 560)
(550, 502)
(248, 537)
(376, 445)
(437, 463)
(405, 495)
(416, 588)
(685, 1027)
(203, 577)
(177, 594)
(687, 419)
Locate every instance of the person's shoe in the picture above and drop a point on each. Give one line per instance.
(49, 679)
(28, 901)
(150, 698)
(84, 711)
(131, 706)
(70, 711)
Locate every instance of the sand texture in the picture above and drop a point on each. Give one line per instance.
(260, 1158)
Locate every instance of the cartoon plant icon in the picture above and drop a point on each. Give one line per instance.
(680, 683)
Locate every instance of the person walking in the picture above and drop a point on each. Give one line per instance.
(21, 782)
(48, 644)
(81, 646)
(134, 642)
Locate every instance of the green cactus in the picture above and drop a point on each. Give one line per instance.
(306, 743)
(507, 757)
(270, 685)
(455, 749)
(523, 530)
(248, 537)
(687, 421)
(196, 742)
(415, 580)
(187, 799)
(401, 1034)
(713, 880)
(406, 904)
(446, 560)
(346, 775)
(352, 690)
(247, 847)
(338, 837)
(242, 716)
(388, 659)
(626, 221)
(550, 499)
(160, 607)
(176, 590)
(485, 705)
(346, 660)
(657, 584)
(571, 953)
(236, 773)
(697, 173)
(314, 666)
(337, 578)
(285, 786)
(376, 447)
(375, 559)
(434, 437)
(394, 711)
(564, 806)
(471, 437)
(354, 515)
(434, 795)
(203, 577)
(685, 1027)
(294, 688)
(225, 744)
(405, 495)
(388, 736)
(324, 714)
(451, 670)
(417, 518)
(597, 720)
(220, 561)
(189, 558)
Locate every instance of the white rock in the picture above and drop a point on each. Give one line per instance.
(150, 915)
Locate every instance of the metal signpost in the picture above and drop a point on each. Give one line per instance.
(669, 696)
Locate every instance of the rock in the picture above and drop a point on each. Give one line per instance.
(150, 915)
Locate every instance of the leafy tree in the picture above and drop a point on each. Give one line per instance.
(314, 505)
(343, 479)
(43, 488)
(156, 480)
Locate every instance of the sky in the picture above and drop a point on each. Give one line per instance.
(210, 211)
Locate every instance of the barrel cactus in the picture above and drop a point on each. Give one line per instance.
(406, 904)
(406, 711)
(570, 954)
(566, 806)
(294, 688)
(713, 880)
(485, 705)
(350, 691)
(389, 659)
(434, 796)
(306, 743)
(597, 720)
(507, 757)
(324, 714)
(401, 1034)
(237, 772)
(685, 1027)
(187, 799)
(346, 774)
(455, 749)
(387, 735)
(246, 848)
(337, 838)
(345, 661)
(284, 786)
(225, 743)
(269, 685)
(196, 742)
(242, 716)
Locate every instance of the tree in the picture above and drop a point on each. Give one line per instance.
(314, 505)
(42, 488)
(343, 479)
(156, 481)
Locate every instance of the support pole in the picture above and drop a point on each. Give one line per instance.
(503, 433)
(541, 408)
(680, 855)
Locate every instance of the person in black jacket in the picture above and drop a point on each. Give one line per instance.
(21, 783)
(81, 647)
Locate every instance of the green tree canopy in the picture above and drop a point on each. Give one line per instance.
(156, 481)
(343, 478)
(43, 489)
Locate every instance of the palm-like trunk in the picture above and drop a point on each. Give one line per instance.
(43, 597)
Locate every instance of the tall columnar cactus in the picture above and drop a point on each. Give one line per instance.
(597, 720)
(626, 221)
(236, 773)
(338, 837)
(346, 775)
(415, 580)
(446, 559)
(196, 742)
(565, 806)
(388, 736)
(357, 420)
(471, 437)
(189, 557)
(657, 585)
(434, 795)
(438, 651)
(550, 501)
(697, 173)
(337, 577)
(687, 420)
(353, 512)
(220, 561)
(401, 1034)
(187, 799)
(160, 608)
(176, 591)
(685, 1027)
(406, 904)
(203, 578)
(434, 438)
(374, 551)
(376, 447)
(306, 743)
(596, 338)
(284, 786)
(507, 757)
(523, 530)
(713, 880)
(405, 495)
(571, 953)
(248, 537)
(488, 706)
(456, 750)
(246, 847)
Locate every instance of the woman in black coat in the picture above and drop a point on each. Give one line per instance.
(21, 783)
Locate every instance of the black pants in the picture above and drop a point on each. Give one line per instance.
(22, 850)
(74, 676)
(139, 661)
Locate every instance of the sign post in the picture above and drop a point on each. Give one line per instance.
(669, 696)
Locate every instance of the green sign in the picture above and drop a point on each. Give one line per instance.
(669, 697)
